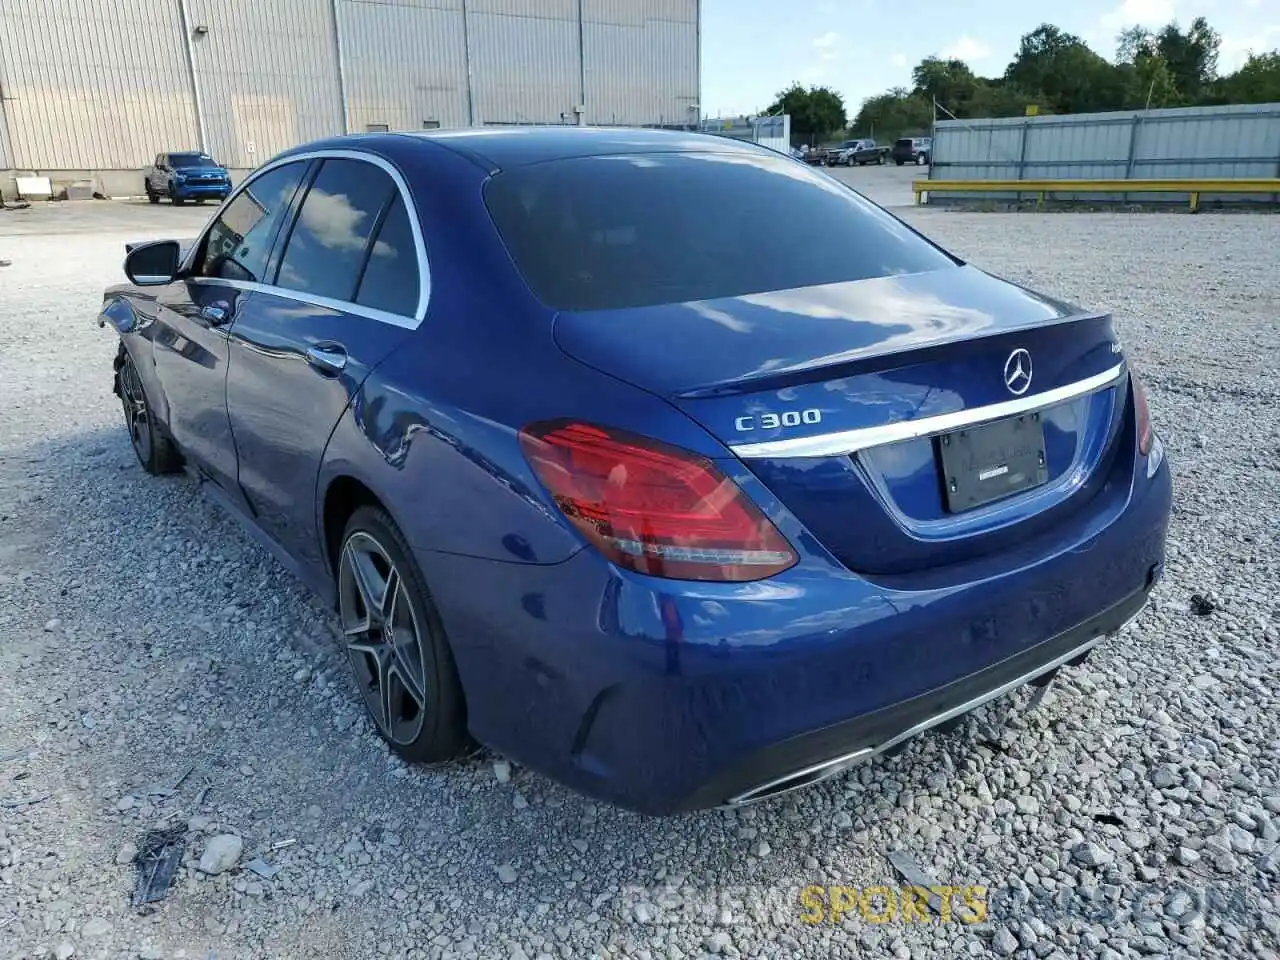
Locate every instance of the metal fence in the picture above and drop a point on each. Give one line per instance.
(1186, 142)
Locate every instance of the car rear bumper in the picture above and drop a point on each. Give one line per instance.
(665, 696)
(821, 754)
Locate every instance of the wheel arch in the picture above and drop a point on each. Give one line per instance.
(344, 494)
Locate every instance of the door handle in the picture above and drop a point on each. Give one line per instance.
(329, 358)
(214, 315)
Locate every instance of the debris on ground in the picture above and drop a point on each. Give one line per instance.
(159, 855)
(915, 875)
(1201, 605)
(262, 868)
(24, 801)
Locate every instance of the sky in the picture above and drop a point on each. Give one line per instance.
(751, 49)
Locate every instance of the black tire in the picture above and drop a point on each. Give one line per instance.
(401, 646)
(177, 201)
(152, 196)
(898, 162)
(154, 450)
(880, 161)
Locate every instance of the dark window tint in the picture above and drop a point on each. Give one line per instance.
(178, 160)
(611, 232)
(326, 249)
(390, 279)
(240, 239)
(906, 143)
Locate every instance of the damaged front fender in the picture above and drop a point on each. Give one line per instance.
(120, 313)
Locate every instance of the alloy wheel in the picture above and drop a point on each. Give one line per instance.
(383, 638)
(136, 416)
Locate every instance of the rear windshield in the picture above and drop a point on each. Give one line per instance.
(191, 160)
(598, 233)
(906, 143)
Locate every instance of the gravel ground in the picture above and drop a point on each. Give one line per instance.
(158, 669)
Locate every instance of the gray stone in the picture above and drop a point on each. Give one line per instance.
(1004, 943)
(1092, 855)
(221, 853)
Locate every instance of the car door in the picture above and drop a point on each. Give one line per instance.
(348, 289)
(195, 314)
(153, 175)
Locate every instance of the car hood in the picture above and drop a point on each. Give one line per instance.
(201, 171)
(749, 342)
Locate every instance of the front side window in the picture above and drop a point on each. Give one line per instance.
(239, 242)
(326, 251)
(610, 232)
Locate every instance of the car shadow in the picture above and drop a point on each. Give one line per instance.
(200, 661)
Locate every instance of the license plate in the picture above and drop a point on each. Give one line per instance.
(992, 461)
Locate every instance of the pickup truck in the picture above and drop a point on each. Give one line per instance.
(857, 152)
(184, 176)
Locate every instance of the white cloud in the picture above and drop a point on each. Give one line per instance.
(1235, 49)
(967, 49)
(1145, 13)
(898, 59)
(827, 40)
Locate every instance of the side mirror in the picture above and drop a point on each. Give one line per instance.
(153, 264)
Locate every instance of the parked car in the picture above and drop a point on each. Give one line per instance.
(855, 152)
(815, 156)
(186, 176)
(675, 507)
(917, 150)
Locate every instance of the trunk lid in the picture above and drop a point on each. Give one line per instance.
(797, 366)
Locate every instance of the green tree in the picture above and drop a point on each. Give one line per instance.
(1148, 79)
(1258, 81)
(1192, 57)
(816, 112)
(896, 113)
(1062, 68)
(950, 82)
(1059, 73)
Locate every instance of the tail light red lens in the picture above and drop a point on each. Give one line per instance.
(1143, 412)
(654, 508)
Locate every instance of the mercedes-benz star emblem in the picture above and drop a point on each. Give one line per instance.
(1017, 372)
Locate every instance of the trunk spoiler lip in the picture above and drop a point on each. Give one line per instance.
(832, 367)
(845, 443)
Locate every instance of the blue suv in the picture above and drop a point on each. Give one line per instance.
(187, 176)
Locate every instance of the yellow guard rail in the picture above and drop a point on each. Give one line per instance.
(1193, 188)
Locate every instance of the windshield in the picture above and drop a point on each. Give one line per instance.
(594, 233)
(192, 160)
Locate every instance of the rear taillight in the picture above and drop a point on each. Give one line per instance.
(653, 508)
(1143, 412)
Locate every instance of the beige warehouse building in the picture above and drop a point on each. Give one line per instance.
(96, 88)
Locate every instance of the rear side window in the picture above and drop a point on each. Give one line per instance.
(597, 233)
(326, 251)
(239, 241)
(391, 280)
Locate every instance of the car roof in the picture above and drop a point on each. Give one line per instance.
(501, 147)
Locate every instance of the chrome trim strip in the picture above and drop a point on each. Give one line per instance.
(838, 765)
(866, 753)
(328, 303)
(406, 196)
(847, 442)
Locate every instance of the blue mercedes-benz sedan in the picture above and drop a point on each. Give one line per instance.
(605, 465)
